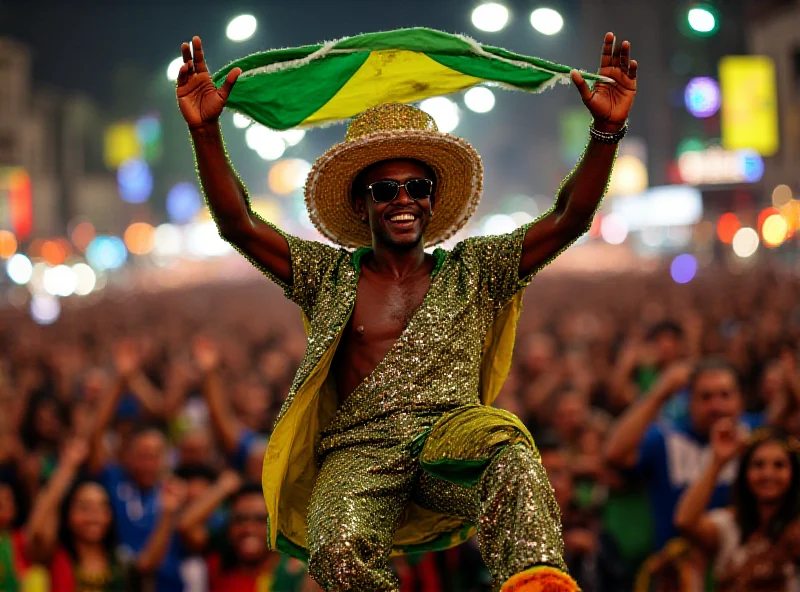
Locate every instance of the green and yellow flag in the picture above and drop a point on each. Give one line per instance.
(321, 84)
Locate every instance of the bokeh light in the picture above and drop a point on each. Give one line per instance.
(782, 194)
(683, 268)
(140, 238)
(86, 279)
(292, 137)
(702, 19)
(241, 121)
(203, 240)
(444, 112)
(490, 17)
(106, 252)
(629, 176)
(183, 202)
(727, 227)
(60, 281)
(174, 68)
(120, 143)
(287, 176)
(53, 252)
(168, 241)
(791, 213)
(690, 145)
(241, 28)
(19, 269)
(775, 230)
(745, 242)
(497, 224)
(751, 164)
(267, 143)
(135, 181)
(479, 99)
(547, 21)
(614, 229)
(702, 96)
(8, 244)
(45, 309)
(764, 214)
(82, 235)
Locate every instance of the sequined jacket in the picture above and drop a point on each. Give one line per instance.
(460, 339)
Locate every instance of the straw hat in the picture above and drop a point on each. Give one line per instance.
(393, 131)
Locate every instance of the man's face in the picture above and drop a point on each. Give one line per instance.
(715, 396)
(248, 529)
(383, 217)
(146, 457)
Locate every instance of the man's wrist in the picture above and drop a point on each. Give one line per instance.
(608, 127)
(205, 130)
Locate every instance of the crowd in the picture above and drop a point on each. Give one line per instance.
(132, 432)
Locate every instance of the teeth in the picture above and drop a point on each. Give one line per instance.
(402, 217)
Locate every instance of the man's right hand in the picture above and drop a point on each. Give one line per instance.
(200, 102)
(675, 378)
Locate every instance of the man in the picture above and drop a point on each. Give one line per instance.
(382, 443)
(674, 454)
(134, 486)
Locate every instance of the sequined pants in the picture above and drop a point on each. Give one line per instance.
(362, 491)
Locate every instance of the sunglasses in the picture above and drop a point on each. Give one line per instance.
(387, 190)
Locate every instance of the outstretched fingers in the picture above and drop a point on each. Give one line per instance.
(632, 69)
(185, 73)
(616, 55)
(608, 50)
(225, 90)
(625, 56)
(582, 86)
(186, 52)
(199, 58)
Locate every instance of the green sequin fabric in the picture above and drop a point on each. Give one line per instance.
(363, 493)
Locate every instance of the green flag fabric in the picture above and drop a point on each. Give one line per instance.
(316, 85)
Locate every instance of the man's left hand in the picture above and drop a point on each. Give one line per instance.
(610, 103)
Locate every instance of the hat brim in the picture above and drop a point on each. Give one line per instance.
(459, 182)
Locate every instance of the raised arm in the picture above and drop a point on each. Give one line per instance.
(128, 363)
(41, 531)
(690, 515)
(226, 427)
(629, 430)
(582, 191)
(201, 105)
(172, 498)
(108, 407)
(192, 524)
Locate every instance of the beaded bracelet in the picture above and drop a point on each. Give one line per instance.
(608, 137)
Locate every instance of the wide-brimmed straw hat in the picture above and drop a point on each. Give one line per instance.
(385, 132)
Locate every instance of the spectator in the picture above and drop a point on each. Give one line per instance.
(755, 543)
(243, 445)
(135, 488)
(673, 455)
(241, 561)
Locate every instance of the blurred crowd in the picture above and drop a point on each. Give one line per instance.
(132, 432)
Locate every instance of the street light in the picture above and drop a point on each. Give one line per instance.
(241, 28)
(547, 21)
(490, 17)
(702, 19)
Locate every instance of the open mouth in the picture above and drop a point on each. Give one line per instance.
(404, 220)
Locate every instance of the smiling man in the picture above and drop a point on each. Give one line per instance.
(387, 441)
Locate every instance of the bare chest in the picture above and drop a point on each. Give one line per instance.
(382, 312)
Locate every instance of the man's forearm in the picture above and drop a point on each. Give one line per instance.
(583, 190)
(631, 427)
(227, 197)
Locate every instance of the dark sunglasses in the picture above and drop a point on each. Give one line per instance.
(387, 190)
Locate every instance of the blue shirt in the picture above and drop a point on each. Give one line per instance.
(136, 513)
(671, 457)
